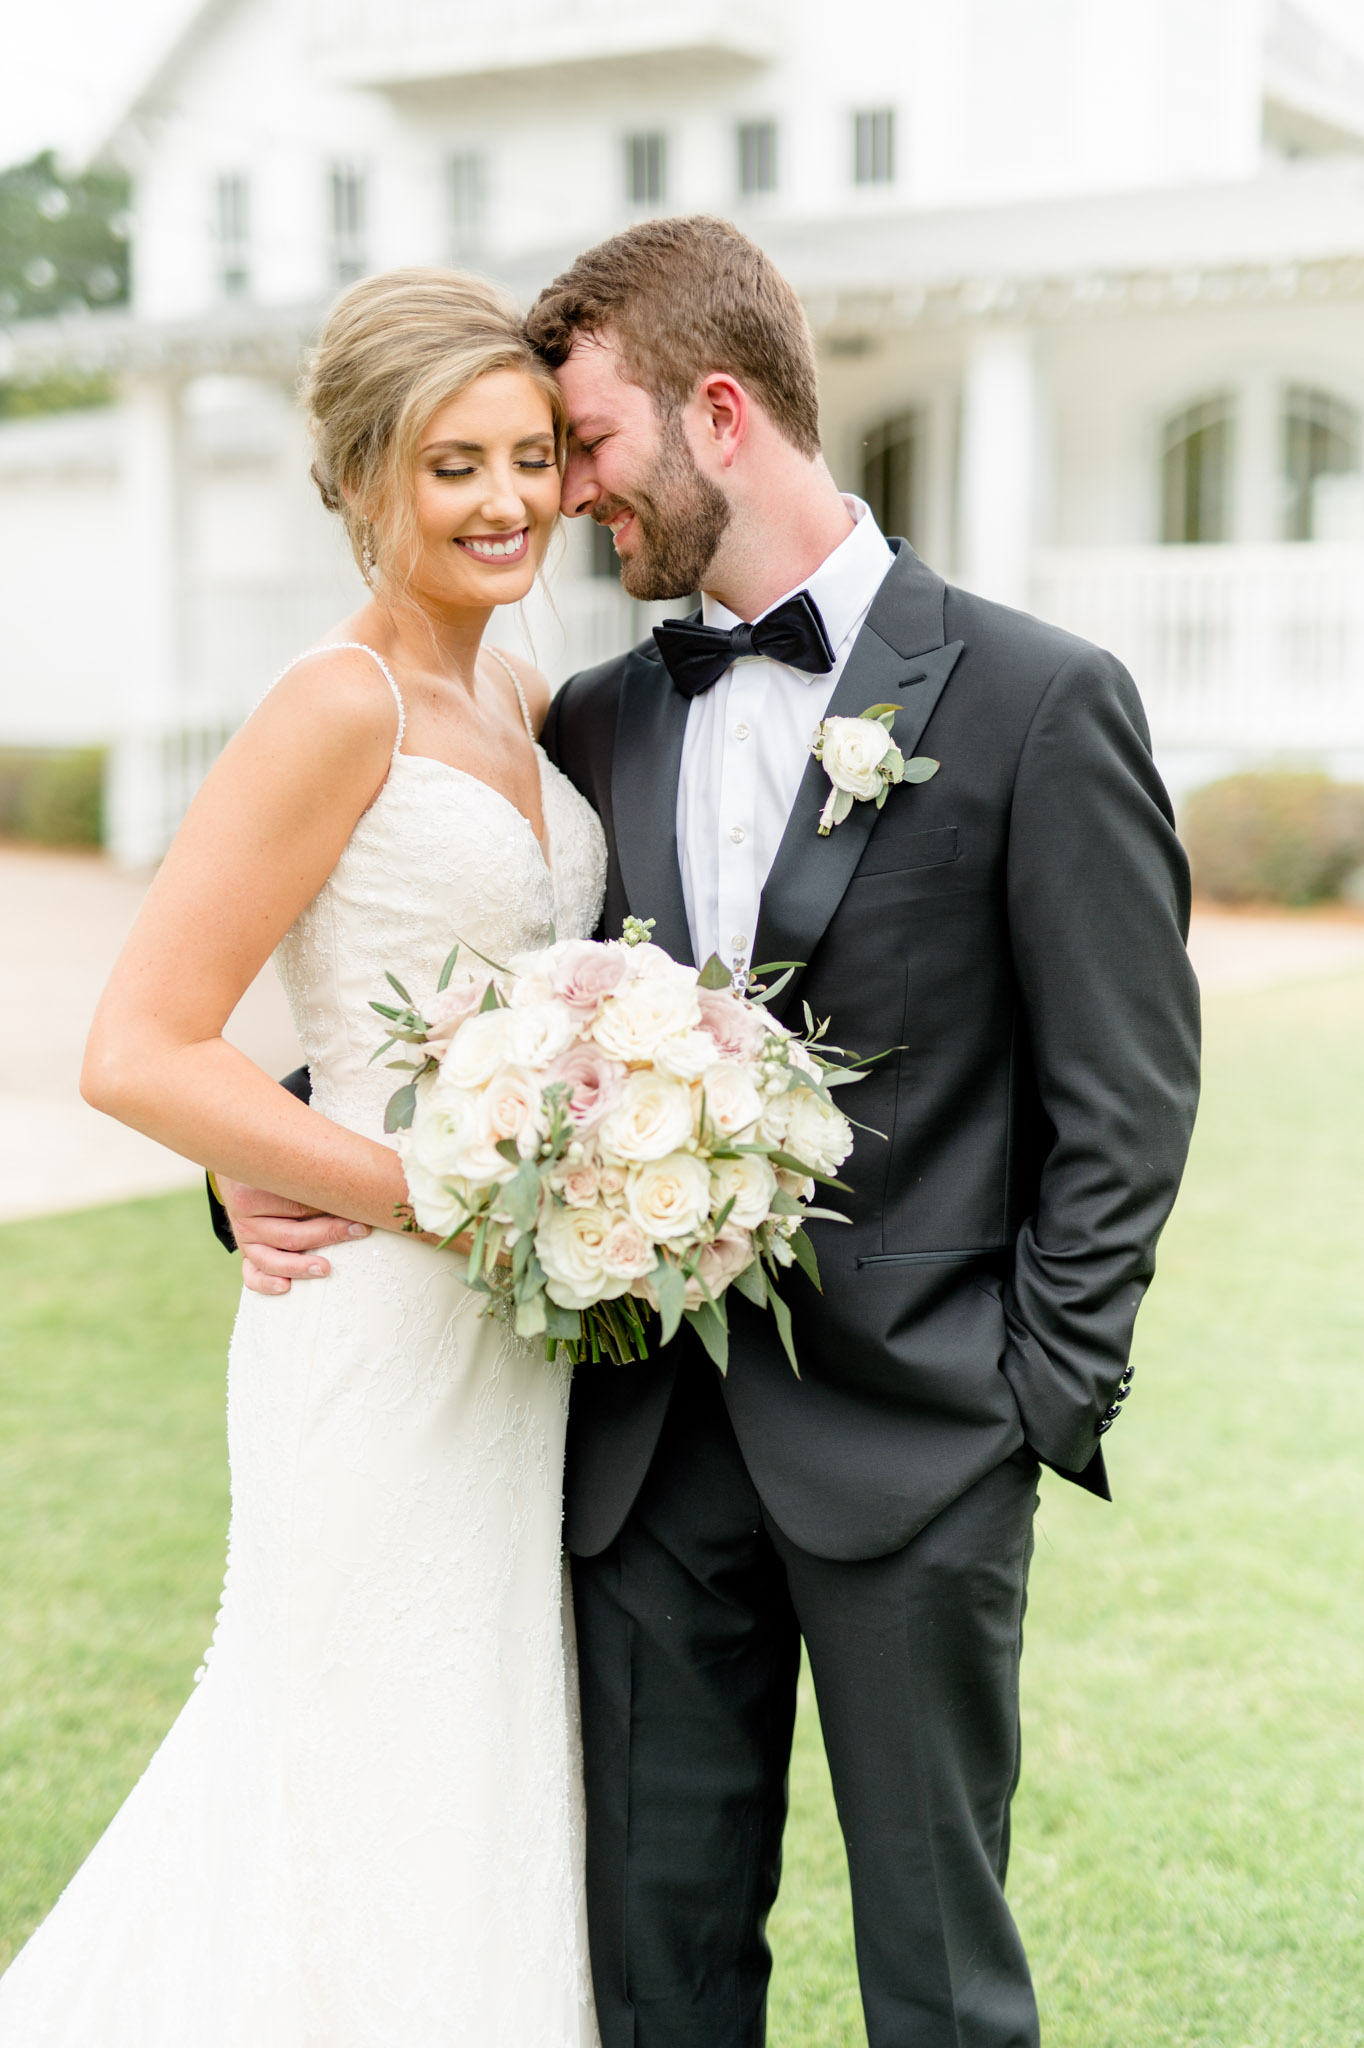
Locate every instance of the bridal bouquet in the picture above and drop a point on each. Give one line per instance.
(617, 1134)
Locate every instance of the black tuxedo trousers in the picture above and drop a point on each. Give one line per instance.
(689, 1627)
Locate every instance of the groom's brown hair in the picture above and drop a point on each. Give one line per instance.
(682, 298)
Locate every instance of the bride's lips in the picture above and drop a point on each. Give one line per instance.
(497, 549)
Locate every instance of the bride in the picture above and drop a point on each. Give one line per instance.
(365, 1827)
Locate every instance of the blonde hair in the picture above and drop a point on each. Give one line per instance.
(393, 350)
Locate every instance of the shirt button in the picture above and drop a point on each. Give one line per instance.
(738, 941)
(737, 834)
(741, 731)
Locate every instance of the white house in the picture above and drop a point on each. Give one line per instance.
(1087, 278)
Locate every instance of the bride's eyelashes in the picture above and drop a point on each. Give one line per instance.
(538, 463)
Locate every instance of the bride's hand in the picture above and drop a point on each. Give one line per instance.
(280, 1241)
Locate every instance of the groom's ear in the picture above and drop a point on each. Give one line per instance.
(720, 415)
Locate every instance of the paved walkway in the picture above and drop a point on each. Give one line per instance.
(64, 916)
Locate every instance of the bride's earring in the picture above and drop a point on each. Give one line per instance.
(369, 560)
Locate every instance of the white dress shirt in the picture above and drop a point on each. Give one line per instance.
(747, 743)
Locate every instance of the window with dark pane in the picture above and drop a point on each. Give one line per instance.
(349, 258)
(1320, 441)
(757, 157)
(466, 201)
(1196, 460)
(874, 146)
(233, 229)
(892, 475)
(646, 169)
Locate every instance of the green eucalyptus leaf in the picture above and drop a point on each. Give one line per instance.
(805, 1257)
(710, 1327)
(884, 714)
(843, 803)
(714, 974)
(491, 1000)
(401, 1109)
(751, 1284)
(522, 1195)
(921, 769)
(782, 1317)
(565, 1325)
(448, 969)
(531, 1317)
(394, 983)
(671, 1287)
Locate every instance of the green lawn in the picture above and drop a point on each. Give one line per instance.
(1189, 1838)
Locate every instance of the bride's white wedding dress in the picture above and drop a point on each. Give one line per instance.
(365, 1828)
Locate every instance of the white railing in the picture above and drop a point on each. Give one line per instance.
(1253, 651)
(411, 39)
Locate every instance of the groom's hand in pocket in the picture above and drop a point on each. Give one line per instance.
(280, 1241)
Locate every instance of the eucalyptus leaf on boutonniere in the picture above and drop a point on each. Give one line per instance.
(862, 762)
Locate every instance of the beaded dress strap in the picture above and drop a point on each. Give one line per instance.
(357, 647)
(516, 685)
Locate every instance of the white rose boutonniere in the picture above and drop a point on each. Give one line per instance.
(862, 762)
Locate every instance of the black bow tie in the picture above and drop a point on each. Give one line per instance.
(697, 656)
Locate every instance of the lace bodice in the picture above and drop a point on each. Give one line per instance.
(438, 856)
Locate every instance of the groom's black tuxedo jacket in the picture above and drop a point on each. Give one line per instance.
(1016, 928)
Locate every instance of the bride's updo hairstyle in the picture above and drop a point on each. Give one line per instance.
(394, 349)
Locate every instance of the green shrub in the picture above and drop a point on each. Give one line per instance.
(54, 797)
(1276, 837)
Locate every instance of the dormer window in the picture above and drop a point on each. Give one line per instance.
(646, 169)
(349, 208)
(233, 235)
(1322, 484)
(1196, 472)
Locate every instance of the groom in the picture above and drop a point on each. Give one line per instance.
(1013, 930)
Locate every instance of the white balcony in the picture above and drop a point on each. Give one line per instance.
(407, 41)
(1240, 653)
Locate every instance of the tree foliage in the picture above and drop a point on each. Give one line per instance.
(63, 249)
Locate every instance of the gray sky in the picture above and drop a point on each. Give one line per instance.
(69, 65)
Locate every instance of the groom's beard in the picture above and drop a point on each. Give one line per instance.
(680, 516)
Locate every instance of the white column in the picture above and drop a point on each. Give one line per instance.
(998, 478)
(135, 796)
(1256, 461)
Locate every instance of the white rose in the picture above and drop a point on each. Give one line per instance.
(776, 1116)
(627, 1253)
(653, 1117)
(476, 1051)
(669, 1198)
(510, 1108)
(632, 1025)
(853, 751)
(531, 979)
(571, 1246)
(611, 1185)
(651, 963)
(815, 1134)
(538, 1032)
(732, 1101)
(436, 1206)
(442, 1124)
(688, 1056)
(750, 1181)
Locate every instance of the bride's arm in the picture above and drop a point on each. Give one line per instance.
(261, 837)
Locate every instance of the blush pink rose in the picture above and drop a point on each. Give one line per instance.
(463, 998)
(735, 1029)
(594, 1079)
(583, 974)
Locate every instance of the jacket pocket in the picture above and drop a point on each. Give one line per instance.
(963, 1257)
(902, 853)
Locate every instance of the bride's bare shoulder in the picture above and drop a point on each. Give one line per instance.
(339, 696)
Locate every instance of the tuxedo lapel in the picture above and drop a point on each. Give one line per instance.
(650, 727)
(898, 657)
